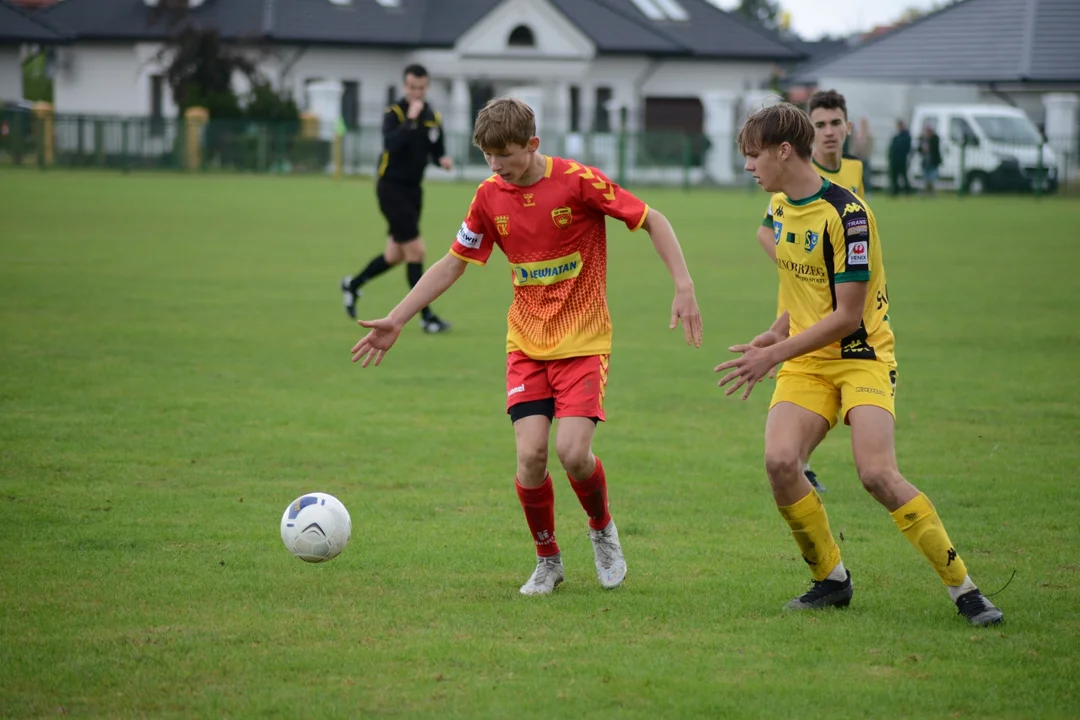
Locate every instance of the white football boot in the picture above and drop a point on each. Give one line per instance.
(546, 577)
(610, 563)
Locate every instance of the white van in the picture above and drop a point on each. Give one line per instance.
(990, 147)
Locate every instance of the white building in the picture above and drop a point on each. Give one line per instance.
(586, 66)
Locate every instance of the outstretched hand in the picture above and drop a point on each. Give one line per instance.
(375, 345)
(764, 340)
(685, 308)
(748, 370)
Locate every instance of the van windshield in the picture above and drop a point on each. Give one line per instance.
(1008, 129)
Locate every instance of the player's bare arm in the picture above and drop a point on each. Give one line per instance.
(777, 332)
(684, 307)
(384, 332)
(767, 241)
(756, 362)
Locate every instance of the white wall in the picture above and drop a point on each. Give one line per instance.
(10, 73)
(375, 70)
(555, 36)
(101, 79)
(109, 79)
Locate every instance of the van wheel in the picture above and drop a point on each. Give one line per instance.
(976, 183)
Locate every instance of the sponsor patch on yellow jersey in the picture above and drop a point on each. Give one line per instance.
(547, 272)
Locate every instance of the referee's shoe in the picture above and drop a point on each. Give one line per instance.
(432, 324)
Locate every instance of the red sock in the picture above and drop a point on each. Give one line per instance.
(539, 506)
(593, 496)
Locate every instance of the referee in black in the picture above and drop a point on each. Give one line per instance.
(412, 137)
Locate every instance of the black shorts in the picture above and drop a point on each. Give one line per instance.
(400, 204)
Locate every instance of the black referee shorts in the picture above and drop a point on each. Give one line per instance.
(400, 204)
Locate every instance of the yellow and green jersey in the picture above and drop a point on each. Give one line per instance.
(821, 241)
(849, 175)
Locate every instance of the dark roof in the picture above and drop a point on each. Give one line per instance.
(616, 26)
(815, 51)
(970, 41)
(19, 26)
(131, 19)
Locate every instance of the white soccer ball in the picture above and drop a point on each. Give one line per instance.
(316, 527)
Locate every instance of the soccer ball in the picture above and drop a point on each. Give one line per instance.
(316, 527)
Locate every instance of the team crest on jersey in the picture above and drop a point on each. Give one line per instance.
(562, 217)
(811, 241)
(778, 230)
(502, 223)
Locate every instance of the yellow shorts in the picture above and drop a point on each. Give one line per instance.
(831, 388)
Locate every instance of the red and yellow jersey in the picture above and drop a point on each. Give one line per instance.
(554, 235)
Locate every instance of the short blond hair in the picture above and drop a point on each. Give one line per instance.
(775, 124)
(504, 122)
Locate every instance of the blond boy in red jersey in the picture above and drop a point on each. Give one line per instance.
(548, 215)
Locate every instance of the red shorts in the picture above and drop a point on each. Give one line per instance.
(576, 384)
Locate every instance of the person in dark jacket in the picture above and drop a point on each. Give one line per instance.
(899, 154)
(412, 138)
(930, 150)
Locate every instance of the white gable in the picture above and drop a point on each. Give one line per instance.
(555, 36)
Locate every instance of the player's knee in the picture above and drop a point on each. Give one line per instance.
(782, 465)
(878, 479)
(532, 464)
(575, 456)
(414, 251)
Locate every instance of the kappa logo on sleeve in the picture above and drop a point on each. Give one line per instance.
(468, 238)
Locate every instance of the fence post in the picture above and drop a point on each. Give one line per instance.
(124, 144)
(195, 119)
(339, 147)
(18, 137)
(962, 188)
(79, 143)
(1039, 170)
(46, 137)
(687, 149)
(99, 141)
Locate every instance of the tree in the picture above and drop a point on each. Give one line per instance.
(913, 13)
(200, 68)
(764, 12)
(36, 84)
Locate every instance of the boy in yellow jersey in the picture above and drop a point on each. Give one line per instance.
(828, 113)
(836, 346)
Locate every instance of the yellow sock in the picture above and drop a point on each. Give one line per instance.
(919, 522)
(810, 528)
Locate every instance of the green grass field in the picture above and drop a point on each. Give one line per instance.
(175, 370)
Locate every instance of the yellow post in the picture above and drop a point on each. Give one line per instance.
(339, 148)
(46, 117)
(195, 119)
(309, 125)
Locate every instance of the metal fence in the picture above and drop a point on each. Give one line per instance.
(662, 158)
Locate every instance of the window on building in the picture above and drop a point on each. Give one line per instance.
(521, 37)
(575, 108)
(157, 105)
(602, 119)
(350, 104)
